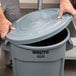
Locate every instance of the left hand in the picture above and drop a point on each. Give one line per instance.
(5, 26)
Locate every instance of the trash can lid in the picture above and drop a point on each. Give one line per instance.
(37, 26)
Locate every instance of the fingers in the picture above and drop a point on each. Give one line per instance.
(74, 14)
(60, 14)
(11, 27)
(75, 17)
(4, 31)
(3, 34)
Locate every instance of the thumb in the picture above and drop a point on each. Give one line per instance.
(60, 14)
(11, 27)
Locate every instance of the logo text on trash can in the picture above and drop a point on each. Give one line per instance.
(41, 53)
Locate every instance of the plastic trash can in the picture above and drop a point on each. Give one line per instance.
(39, 43)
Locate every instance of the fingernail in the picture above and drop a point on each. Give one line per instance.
(58, 17)
(13, 28)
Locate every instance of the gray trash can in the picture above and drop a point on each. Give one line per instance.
(39, 43)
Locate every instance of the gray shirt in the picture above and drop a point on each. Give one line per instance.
(11, 9)
(3, 4)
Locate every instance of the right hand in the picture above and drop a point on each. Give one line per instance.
(66, 6)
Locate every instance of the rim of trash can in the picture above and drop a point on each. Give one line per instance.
(46, 47)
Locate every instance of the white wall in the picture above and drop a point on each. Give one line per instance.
(35, 1)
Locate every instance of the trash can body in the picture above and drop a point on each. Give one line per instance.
(25, 63)
(40, 60)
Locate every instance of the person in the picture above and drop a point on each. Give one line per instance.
(9, 12)
(66, 6)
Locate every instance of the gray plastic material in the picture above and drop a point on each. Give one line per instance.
(30, 60)
(25, 63)
(37, 26)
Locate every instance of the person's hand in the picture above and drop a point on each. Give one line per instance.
(5, 26)
(66, 6)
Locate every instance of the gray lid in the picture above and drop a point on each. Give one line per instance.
(37, 26)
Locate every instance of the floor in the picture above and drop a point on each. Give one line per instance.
(70, 65)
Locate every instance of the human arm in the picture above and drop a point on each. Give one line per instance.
(5, 25)
(66, 6)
